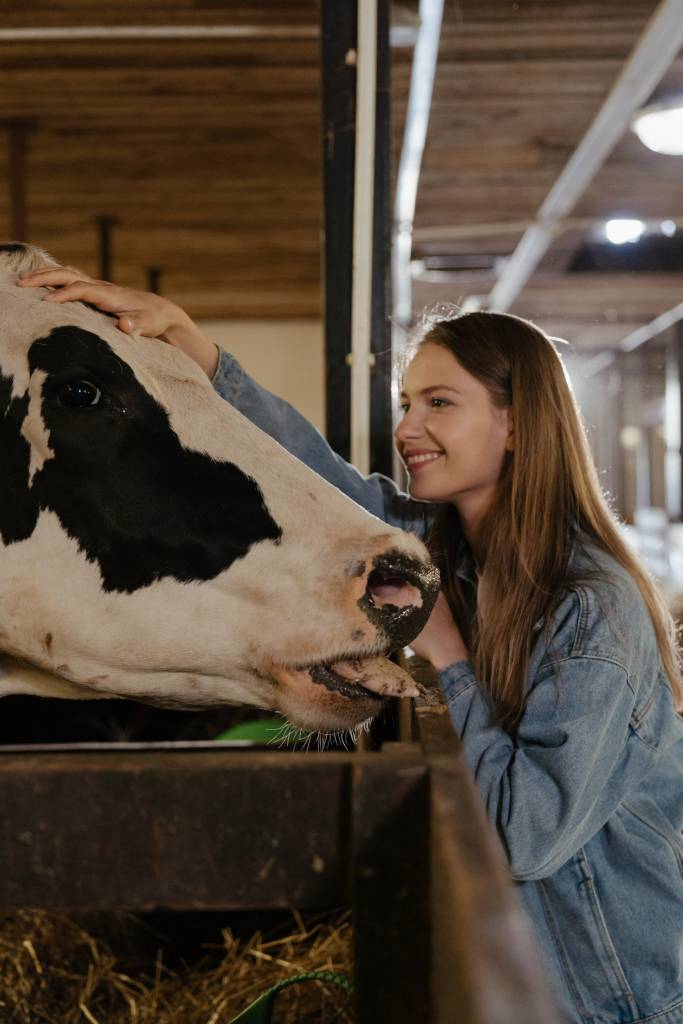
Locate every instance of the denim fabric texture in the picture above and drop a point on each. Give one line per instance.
(587, 797)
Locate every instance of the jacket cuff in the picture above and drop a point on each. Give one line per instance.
(457, 678)
(227, 380)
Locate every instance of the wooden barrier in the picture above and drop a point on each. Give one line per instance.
(399, 834)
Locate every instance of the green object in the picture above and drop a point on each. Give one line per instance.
(261, 1010)
(264, 730)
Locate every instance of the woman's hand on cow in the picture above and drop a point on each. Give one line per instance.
(148, 314)
(440, 641)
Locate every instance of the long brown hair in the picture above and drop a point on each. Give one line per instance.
(548, 492)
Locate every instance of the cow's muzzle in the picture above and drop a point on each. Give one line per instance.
(400, 593)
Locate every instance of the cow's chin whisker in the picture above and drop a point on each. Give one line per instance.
(347, 738)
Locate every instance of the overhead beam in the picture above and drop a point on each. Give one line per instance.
(401, 34)
(661, 323)
(115, 32)
(654, 52)
(486, 229)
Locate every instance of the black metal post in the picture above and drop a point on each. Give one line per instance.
(338, 64)
(104, 226)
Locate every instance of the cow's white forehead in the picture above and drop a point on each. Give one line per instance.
(24, 318)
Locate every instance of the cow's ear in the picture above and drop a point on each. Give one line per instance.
(19, 257)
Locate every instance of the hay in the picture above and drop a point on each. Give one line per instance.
(54, 970)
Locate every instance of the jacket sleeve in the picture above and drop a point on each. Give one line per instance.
(378, 494)
(552, 786)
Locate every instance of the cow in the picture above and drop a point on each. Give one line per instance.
(156, 545)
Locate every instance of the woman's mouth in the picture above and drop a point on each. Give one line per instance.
(419, 461)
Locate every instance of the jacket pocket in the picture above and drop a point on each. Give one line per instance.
(648, 816)
(592, 968)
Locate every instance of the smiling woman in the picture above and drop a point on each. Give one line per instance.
(556, 654)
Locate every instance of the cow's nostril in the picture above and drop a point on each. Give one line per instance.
(385, 590)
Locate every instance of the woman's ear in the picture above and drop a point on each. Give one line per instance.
(510, 439)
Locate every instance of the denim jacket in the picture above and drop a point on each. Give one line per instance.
(587, 796)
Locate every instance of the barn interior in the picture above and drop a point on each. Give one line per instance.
(180, 147)
(203, 149)
(188, 147)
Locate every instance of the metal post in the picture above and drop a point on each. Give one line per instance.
(17, 132)
(105, 225)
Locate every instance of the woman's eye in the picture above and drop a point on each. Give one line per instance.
(438, 403)
(80, 394)
(404, 407)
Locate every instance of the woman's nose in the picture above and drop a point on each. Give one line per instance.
(408, 427)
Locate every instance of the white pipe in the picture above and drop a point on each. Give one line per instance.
(657, 326)
(108, 32)
(363, 209)
(655, 50)
(414, 137)
(400, 36)
(634, 340)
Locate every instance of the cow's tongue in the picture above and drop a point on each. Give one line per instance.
(376, 674)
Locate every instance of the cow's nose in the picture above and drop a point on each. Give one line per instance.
(400, 593)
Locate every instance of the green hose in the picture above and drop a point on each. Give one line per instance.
(261, 1010)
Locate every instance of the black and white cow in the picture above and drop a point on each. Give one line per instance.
(155, 544)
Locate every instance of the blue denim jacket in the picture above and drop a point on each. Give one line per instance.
(587, 798)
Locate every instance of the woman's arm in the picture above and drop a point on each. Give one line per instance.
(155, 317)
(377, 493)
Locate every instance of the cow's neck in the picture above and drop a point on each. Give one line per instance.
(17, 677)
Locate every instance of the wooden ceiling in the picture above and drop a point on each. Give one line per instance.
(207, 152)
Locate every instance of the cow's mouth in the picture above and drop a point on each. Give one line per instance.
(340, 693)
(376, 676)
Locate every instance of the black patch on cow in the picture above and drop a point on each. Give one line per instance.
(137, 503)
(18, 509)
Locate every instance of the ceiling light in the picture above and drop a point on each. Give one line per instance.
(620, 230)
(668, 228)
(660, 127)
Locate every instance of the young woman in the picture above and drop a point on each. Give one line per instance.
(555, 653)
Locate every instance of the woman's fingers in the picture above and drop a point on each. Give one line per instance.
(51, 277)
(143, 312)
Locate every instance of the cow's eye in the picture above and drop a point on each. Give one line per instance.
(80, 394)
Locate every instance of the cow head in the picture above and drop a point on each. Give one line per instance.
(155, 544)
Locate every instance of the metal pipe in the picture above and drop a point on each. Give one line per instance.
(363, 200)
(414, 137)
(657, 326)
(654, 52)
(111, 32)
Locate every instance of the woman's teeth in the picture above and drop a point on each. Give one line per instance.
(413, 460)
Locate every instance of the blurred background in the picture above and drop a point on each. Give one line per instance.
(179, 145)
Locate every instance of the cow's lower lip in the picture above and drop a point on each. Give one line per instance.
(372, 678)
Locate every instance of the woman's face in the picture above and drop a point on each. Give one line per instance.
(451, 438)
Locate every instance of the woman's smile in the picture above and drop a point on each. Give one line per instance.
(418, 460)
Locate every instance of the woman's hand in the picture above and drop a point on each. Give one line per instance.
(440, 641)
(148, 314)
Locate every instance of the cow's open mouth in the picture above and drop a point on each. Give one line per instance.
(369, 679)
(376, 677)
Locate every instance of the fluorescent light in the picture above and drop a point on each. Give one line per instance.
(620, 230)
(660, 127)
